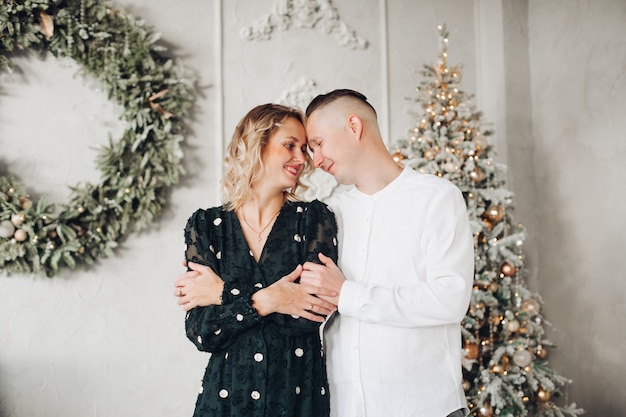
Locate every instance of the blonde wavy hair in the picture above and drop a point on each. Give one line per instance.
(243, 164)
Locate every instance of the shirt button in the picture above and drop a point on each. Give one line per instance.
(223, 393)
(299, 352)
(239, 317)
(255, 395)
(258, 357)
(297, 390)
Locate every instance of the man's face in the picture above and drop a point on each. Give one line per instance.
(327, 142)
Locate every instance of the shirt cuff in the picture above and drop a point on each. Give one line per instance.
(350, 298)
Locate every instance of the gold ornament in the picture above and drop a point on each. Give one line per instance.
(541, 352)
(543, 395)
(477, 175)
(25, 203)
(488, 224)
(466, 385)
(429, 154)
(496, 320)
(494, 213)
(471, 350)
(486, 410)
(512, 325)
(531, 306)
(46, 25)
(480, 142)
(398, 156)
(17, 219)
(497, 369)
(507, 269)
(20, 235)
(522, 358)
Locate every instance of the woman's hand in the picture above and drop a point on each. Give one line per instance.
(199, 287)
(288, 297)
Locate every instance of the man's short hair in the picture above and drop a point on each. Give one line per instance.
(325, 99)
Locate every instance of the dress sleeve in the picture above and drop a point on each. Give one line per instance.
(213, 328)
(319, 235)
(443, 296)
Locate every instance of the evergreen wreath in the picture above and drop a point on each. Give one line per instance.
(121, 52)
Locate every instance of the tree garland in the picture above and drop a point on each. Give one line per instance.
(122, 53)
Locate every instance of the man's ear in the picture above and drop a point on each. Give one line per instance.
(355, 124)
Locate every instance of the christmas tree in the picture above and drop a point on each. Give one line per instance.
(505, 367)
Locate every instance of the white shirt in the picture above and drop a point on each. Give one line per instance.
(394, 349)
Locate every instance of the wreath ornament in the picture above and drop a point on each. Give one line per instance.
(122, 53)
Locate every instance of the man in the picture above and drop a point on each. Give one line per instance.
(405, 272)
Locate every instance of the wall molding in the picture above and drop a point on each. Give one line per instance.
(309, 14)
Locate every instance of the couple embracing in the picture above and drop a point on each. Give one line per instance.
(385, 268)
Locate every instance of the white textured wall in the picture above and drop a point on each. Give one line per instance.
(577, 58)
(110, 341)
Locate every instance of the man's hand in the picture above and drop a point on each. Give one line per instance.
(199, 287)
(327, 276)
(285, 296)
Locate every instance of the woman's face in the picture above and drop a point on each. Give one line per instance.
(284, 156)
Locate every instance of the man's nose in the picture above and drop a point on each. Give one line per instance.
(318, 159)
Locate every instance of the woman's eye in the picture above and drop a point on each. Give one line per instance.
(290, 146)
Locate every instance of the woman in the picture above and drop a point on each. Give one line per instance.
(243, 301)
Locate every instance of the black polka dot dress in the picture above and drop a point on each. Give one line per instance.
(259, 366)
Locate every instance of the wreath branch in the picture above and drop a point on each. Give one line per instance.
(136, 170)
